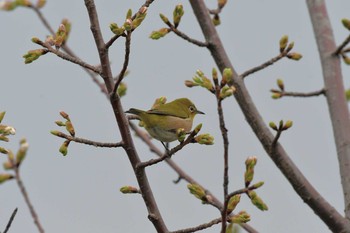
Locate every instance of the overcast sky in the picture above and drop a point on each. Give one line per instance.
(80, 192)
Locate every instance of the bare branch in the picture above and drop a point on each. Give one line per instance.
(264, 65)
(185, 37)
(27, 200)
(11, 220)
(199, 227)
(68, 57)
(125, 64)
(299, 94)
(340, 48)
(88, 142)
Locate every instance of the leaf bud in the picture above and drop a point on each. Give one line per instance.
(273, 126)
(40, 3)
(8, 165)
(64, 148)
(70, 128)
(216, 20)
(2, 115)
(283, 43)
(177, 14)
(227, 76)
(233, 202)
(189, 83)
(280, 84)
(197, 191)
(346, 23)
(122, 88)
(294, 56)
(241, 217)
(257, 201)
(65, 115)
(197, 128)
(204, 139)
(164, 18)
(129, 189)
(5, 177)
(287, 125)
(290, 47)
(346, 59)
(21, 154)
(181, 134)
(155, 35)
(3, 150)
(221, 3)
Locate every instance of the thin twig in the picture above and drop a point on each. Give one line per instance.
(185, 37)
(264, 65)
(43, 19)
(27, 200)
(199, 227)
(342, 46)
(275, 140)
(300, 94)
(125, 64)
(11, 220)
(168, 154)
(89, 142)
(240, 191)
(68, 57)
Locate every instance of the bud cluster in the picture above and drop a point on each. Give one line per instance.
(130, 23)
(70, 129)
(286, 47)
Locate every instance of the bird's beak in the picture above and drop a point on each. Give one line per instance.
(200, 112)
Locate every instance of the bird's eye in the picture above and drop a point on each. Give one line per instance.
(192, 109)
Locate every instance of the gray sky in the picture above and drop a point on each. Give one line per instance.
(80, 192)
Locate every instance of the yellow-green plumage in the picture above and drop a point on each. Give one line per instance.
(162, 121)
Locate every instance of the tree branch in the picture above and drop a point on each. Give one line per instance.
(340, 48)
(153, 212)
(11, 220)
(299, 94)
(27, 200)
(125, 64)
(68, 57)
(185, 37)
(305, 190)
(199, 227)
(338, 107)
(264, 65)
(88, 142)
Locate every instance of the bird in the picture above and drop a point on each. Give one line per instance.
(162, 121)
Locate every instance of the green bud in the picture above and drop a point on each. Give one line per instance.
(33, 55)
(7, 130)
(128, 14)
(8, 165)
(197, 191)
(5, 177)
(21, 153)
(60, 123)
(64, 148)
(283, 43)
(68, 26)
(2, 115)
(241, 217)
(294, 56)
(216, 20)
(280, 84)
(3, 150)
(249, 172)
(8, 6)
(40, 3)
(233, 202)
(197, 128)
(122, 88)
(36, 40)
(70, 128)
(258, 185)
(55, 132)
(181, 134)
(4, 138)
(214, 74)
(273, 126)
(140, 16)
(204, 139)
(116, 30)
(60, 36)
(227, 91)
(346, 23)
(227, 76)
(164, 18)
(155, 35)
(280, 125)
(257, 201)
(346, 59)
(129, 189)
(23, 3)
(287, 125)
(347, 94)
(276, 95)
(189, 83)
(128, 25)
(177, 14)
